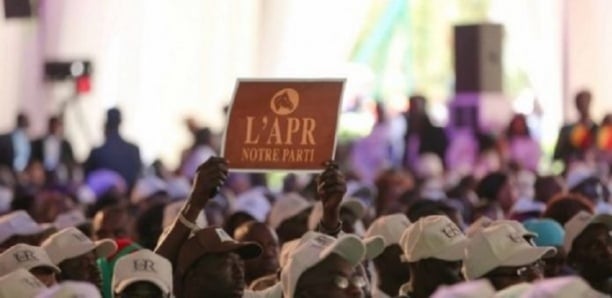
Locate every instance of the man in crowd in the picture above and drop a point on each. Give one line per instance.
(15, 147)
(115, 154)
(432, 244)
(266, 263)
(53, 149)
(76, 255)
(31, 258)
(18, 227)
(577, 138)
(142, 274)
(588, 241)
(391, 272)
(501, 254)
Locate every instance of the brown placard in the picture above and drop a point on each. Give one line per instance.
(282, 124)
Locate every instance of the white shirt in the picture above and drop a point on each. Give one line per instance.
(51, 150)
(21, 143)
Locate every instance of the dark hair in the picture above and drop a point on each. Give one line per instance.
(563, 207)
(203, 137)
(149, 225)
(490, 185)
(113, 119)
(509, 130)
(543, 186)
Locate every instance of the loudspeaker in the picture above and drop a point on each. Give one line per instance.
(17, 9)
(478, 58)
(65, 70)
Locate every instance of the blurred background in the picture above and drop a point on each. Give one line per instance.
(162, 62)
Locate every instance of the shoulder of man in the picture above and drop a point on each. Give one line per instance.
(275, 291)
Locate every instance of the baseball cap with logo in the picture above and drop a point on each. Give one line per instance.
(389, 227)
(562, 287)
(213, 240)
(25, 256)
(18, 223)
(71, 289)
(20, 283)
(286, 207)
(70, 243)
(314, 249)
(500, 246)
(143, 265)
(433, 236)
(575, 226)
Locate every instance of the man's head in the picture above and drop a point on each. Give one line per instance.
(588, 241)
(111, 222)
(22, 122)
(501, 254)
(289, 217)
(434, 243)
(322, 266)
(113, 120)
(267, 262)
(497, 187)
(55, 125)
(76, 255)
(583, 103)
(18, 227)
(31, 258)
(389, 264)
(563, 207)
(142, 274)
(211, 262)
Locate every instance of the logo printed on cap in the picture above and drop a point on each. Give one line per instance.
(145, 265)
(80, 237)
(25, 256)
(322, 241)
(223, 236)
(451, 231)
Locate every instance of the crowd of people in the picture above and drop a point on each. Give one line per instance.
(419, 216)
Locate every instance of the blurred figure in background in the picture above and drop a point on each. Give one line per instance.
(497, 196)
(115, 154)
(199, 152)
(53, 150)
(519, 147)
(15, 147)
(563, 207)
(576, 139)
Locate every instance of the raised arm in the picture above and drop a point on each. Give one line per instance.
(331, 187)
(209, 177)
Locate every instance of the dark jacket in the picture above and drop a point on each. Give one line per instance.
(117, 155)
(565, 150)
(66, 154)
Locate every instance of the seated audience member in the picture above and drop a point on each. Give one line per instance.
(323, 266)
(71, 289)
(496, 195)
(563, 207)
(391, 272)
(546, 187)
(18, 227)
(501, 254)
(588, 242)
(266, 263)
(550, 233)
(526, 206)
(76, 255)
(432, 244)
(289, 217)
(74, 218)
(583, 180)
(142, 274)
(562, 287)
(521, 148)
(31, 258)
(20, 283)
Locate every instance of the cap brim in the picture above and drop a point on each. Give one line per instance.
(347, 246)
(455, 252)
(529, 255)
(246, 250)
(127, 282)
(47, 265)
(105, 248)
(374, 247)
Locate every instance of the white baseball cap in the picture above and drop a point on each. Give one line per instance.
(485, 222)
(353, 205)
(470, 289)
(375, 246)
(20, 283)
(142, 265)
(286, 207)
(71, 218)
(314, 250)
(70, 243)
(577, 224)
(500, 246)
(71, 289)
(286, 250)
(25, 256)
(146, 187)
(478, 225)
(389, 227)
(254, 203)
(514, 291)
(433, 236)
(18, 223)
(562, 287)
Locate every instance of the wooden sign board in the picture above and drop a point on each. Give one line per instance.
(285, 125)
